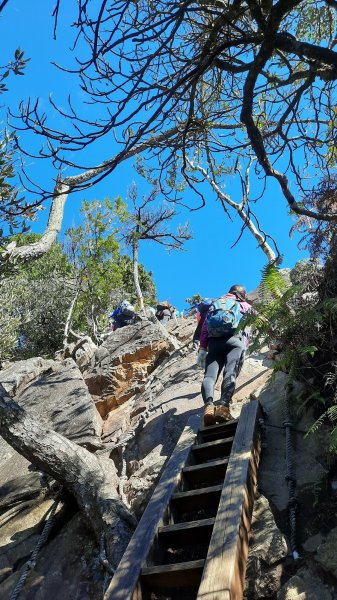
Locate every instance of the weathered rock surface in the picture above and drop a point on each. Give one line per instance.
(326, 555)
(55, 393)
(82, 352)
(146, 387)
(305, 586)
(268, 547)
(19, 536)
(253, 378)
(121, 365)
(183, 328)
(312, 543)
(67, 569)
(60, 400)
(18, 375)
(309, 469)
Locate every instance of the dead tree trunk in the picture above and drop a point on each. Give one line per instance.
(69, 316)
(90, 480)
(135, 247)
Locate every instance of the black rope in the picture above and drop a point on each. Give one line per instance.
(31, 562)
(290, 477)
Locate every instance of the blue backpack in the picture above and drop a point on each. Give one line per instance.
(224, 318)
(204, 305)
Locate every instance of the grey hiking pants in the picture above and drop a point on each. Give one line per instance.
(227, 354)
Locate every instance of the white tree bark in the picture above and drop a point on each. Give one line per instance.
(239, 208)
(69, 317)
(62, 189)
(135, 251)
(37, 249)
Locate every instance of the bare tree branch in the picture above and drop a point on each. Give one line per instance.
(225, 199)
(220, 79)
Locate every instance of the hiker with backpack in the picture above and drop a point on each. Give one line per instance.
(221, 347)
(202, 310)
(165, 312)
(123, 315)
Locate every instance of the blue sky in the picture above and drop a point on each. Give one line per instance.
(208, 266)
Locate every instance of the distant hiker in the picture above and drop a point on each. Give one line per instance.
(164, 312)
(202, 310)
(226, 350)
(123, 315)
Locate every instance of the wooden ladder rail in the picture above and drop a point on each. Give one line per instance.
(224, 572)
(220, 574)
(125, 583)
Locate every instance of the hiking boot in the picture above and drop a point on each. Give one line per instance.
(222, 414)
(209, 418)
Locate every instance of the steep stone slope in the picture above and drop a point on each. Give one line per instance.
(144, 386)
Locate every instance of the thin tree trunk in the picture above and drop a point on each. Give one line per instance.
(135, 249)
(69, 317)
(90, 480)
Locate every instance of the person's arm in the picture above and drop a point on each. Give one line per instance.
(247, 309)
(204, 336)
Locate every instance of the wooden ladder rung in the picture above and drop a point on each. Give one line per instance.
(216, 432)
(184, 574)
(191, 532)
(218, 427)
(214, 469)
(197, 499)
(213, 449)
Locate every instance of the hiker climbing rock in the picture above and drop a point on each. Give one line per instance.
(165, 312)
(222, 348)
(123, 315)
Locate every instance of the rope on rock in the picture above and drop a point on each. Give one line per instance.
(31, 562)
(291, 475)
(122, 480)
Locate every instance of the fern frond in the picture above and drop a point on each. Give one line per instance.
(330, 305)
(315, 426)
(331, 413)
(272, 282)
(333, 442)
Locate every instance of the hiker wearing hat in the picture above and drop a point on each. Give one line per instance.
(222, 348)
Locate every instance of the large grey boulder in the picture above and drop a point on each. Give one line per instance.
(121, 365)
(60, 400)
(18, 375)
(81, 351)
(183, 328)
(55, 394)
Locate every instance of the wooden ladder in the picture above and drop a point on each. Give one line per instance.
(192, 540)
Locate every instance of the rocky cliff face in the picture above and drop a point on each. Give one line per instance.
(128, 401)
